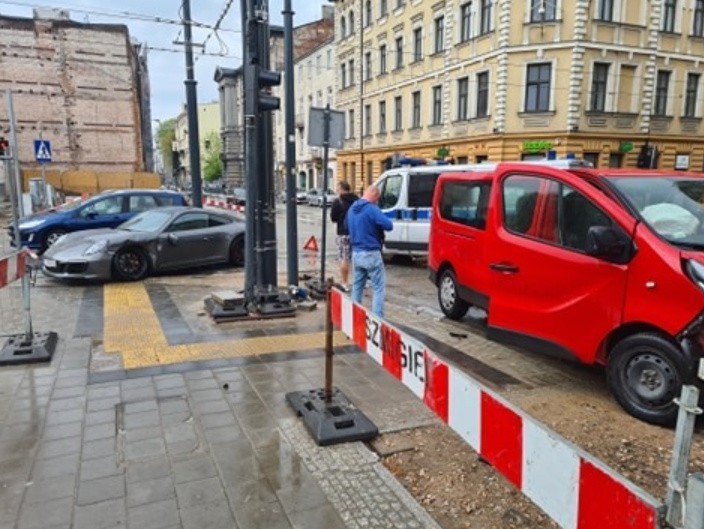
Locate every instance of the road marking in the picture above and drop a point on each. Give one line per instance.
(132, 329)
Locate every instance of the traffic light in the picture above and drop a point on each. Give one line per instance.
(648, 157)
(266, 101)
(4, 147)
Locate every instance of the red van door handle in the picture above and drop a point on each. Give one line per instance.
(504, 268)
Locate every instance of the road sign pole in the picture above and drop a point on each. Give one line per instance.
(326, 147)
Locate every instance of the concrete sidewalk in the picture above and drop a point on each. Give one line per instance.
(210, 444)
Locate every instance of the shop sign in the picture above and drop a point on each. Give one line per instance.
(537, 146)
(682, 161)
(443, 152)
(625, 146)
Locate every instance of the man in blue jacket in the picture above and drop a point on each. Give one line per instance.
(367, 224)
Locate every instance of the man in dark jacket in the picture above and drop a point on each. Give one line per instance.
(366, 224)
(338, 212)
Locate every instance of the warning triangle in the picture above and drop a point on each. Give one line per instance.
(311, 244)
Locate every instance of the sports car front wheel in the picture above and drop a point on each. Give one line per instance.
(130, 264)
(237, 252)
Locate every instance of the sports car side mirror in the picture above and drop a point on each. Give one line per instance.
(173, 239)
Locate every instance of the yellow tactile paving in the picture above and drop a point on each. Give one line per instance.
(132, 329)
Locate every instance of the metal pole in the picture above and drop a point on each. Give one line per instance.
(250, 154)
(676, 485)
(45, 201)
(326, 148)
(16, 185)
(267, 204)
(328, 342)
(291, 206)
(192, 108)
(694, 518)
(367, 179)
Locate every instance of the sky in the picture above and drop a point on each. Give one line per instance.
(167, 69)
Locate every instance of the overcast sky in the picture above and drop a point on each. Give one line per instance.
(167, 69)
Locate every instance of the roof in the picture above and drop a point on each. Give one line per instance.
(30, 23)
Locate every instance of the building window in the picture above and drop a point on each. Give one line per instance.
(482, 94)
(538, 87)
(416, 110)
(661, 88)
(399, 53)
(350, 67)
(605, 10)
(542, 10)
(462, 98)
(690, 101)
(382, 117)
(599, 79)
(382, 59)
(615, 159)
(487, 7)
(439, 34)
(350, 17)
(466, 22)
(437, 105)
(417, 44)
(367, 120)
(398, 113)
(668, 15)
(698, 27)
(343, 75)
(383, 8)
(400, 3)
(343, 27)
(368, 13)
(350, 123)
(367, 66)
(329, 59)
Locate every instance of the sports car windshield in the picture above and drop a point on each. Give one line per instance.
(149, 222)
(673, 206)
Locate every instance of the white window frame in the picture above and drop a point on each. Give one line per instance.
(473, 102)
(551, 104)
(697, 101)
(609, 102)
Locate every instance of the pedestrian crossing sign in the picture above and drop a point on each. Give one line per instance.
(42, 150)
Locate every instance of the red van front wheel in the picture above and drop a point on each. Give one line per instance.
(448, 296)
(645, 373)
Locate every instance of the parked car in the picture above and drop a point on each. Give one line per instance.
(153, 241)
(602, 266)
(106, 210)
(238, 196)
(312, 196)
(301, 196)
(317, 198)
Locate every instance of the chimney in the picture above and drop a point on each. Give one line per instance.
(44, 13)
(328, 12)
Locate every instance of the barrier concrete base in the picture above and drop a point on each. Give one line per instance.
(337, 421)
(19, 350)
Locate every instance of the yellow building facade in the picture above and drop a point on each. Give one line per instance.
(501, 80)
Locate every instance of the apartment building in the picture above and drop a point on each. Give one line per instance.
(209, 119)
(475, 80)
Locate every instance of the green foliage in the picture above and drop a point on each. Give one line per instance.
(212, 162)
(165, 136)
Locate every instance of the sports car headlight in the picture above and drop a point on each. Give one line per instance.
(98, 247)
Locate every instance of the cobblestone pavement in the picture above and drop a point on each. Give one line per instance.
(194, 446)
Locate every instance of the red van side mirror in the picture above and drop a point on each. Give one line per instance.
(610, 244)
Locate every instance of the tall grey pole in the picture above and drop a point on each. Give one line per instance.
(192, 106)
(15, 183)
(250, 142)
(291, 205)
(326, 148)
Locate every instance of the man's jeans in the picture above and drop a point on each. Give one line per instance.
(369, 264)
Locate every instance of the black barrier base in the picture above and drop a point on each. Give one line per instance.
(318, 289)
(18, 350)
(221, 314)
(337, 421)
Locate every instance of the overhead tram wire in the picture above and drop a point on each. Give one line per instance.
(216, 28)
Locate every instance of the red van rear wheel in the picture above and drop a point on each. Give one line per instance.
(645, 373)
(448, 296)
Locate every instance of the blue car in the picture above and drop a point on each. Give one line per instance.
(106, 210)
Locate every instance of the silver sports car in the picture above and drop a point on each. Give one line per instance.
(153, 241)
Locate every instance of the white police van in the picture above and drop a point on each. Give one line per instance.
(406, 197)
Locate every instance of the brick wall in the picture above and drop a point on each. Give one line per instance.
(76, 85)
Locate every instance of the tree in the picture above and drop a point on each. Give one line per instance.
(212, 162)
(165, 135)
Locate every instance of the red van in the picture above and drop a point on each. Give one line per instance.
(604, 266)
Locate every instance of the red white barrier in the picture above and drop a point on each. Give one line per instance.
(572, 487)
(12, 267)
(216, 202)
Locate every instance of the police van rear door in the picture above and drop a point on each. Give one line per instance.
(392, 203)
(420, 198)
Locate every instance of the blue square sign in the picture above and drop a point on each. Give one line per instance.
(42, 151)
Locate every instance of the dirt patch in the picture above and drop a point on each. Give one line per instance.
(453, 484)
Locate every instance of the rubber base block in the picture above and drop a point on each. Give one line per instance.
(334, 422)
(40, 348)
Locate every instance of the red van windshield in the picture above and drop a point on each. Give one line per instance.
(673, 206)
